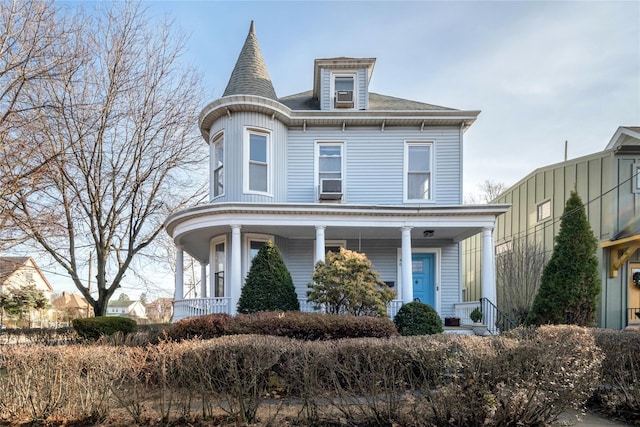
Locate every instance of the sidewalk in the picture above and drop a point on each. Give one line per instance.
(588, 419)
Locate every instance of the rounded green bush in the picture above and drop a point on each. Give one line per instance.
(92, 328)
(417, 318)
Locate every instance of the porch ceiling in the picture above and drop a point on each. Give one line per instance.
(196, 243)
(194, 228)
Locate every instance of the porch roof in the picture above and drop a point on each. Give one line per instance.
(620, 251)
(193, 228)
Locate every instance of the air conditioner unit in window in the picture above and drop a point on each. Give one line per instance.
(344, 99)
(330, 189)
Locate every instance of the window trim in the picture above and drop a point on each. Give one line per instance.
(253, 237)
(635, 175)
(248, 131)
(405, 171)
(217, 137)
(316, 166)
(503, 248)
(341, 243)
(540, 212)
(332, 88)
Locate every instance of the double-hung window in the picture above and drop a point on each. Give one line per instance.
(218, 265)
(330, 164)
(418, 171)
(218, 167)
(257, 170)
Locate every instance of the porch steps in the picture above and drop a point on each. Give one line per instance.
(463, 330)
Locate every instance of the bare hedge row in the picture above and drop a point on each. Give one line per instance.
(418, 381)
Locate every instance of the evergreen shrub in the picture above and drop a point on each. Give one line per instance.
(346, 283)
(570, 282)
(269, 285)
(92, 328)
(418, 318)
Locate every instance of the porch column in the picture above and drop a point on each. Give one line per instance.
(212, 271)
(407, 276)
(179, 295)
(319, 243)
(235, 279)
(488, 266)
(203, 280)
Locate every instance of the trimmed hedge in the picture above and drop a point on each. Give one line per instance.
(436, 380)
(618, 394)
(292, 324)
(418, 318)
(92, 328)
(204, 327)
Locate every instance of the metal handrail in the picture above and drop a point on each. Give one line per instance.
(495, 319)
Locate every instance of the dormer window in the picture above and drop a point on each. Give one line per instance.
(344, 90)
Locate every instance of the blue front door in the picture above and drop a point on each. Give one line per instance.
(423, 272)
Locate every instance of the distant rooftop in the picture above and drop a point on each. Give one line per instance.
(377, 102)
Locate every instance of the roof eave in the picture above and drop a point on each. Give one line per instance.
(234, 103)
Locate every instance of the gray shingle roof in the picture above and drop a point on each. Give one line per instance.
(305, 101)
(9, 265)
(250, 75)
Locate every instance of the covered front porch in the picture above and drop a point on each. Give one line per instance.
(223, 238)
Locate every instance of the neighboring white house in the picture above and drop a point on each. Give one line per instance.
(18, 272)
(127, 308)
(336, 166)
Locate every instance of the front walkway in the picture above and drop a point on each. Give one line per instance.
(572, 417)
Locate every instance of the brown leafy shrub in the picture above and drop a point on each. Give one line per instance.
(204, 327)
(66, 382)
(234, 372)
(312, 326)
(618, 394)
(421, 380)
(537, 379)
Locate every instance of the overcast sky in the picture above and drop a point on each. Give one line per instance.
(542, 73)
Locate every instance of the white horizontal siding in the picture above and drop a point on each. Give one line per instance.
(234, 132)
(383, 256)
(374, 163)
(450, 279)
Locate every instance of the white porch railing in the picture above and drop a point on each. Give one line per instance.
(199, 307)
(464, 309)
(307, 307)
(393, 307)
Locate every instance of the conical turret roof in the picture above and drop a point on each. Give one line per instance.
(250, 75)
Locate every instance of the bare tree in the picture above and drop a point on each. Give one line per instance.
(31, 36)
(519, 267)
(489, 191)
(125, 125)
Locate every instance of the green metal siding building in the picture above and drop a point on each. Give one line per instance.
(609, 184)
